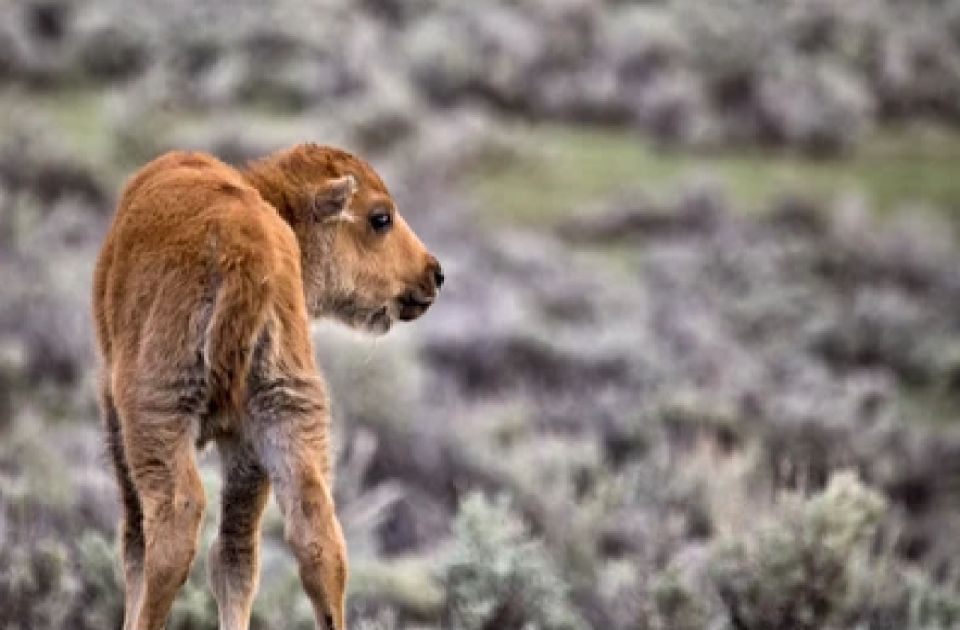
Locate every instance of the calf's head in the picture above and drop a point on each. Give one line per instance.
(362, 263)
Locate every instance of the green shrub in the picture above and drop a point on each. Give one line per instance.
(497, 576)
(799, 572)
(101, 598)
(37, 586)
(676, 605)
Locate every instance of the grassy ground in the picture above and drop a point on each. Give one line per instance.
(564, 169)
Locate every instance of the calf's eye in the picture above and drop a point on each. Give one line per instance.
(380, 221)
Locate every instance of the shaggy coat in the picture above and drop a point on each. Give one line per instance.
(203, 294)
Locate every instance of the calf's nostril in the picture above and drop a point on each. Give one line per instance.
(438, 277)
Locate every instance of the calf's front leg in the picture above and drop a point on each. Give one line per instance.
(234, 559)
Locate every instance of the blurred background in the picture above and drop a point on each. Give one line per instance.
(697, 361)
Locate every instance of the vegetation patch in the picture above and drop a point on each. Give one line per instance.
(559, 170)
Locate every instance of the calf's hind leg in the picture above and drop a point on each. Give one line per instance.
(289, 425)
(131, 526)
(159, 445)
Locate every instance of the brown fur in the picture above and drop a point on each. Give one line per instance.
(203, 293)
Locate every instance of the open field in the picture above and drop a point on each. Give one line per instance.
(696, 364)
(562, 169)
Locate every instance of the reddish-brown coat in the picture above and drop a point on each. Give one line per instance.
(203, 294)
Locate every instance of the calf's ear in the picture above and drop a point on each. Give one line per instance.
(332, 200)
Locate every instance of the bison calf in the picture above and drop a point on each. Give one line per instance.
(203, 294)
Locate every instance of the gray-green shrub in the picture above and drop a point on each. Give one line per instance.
(498, 576)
